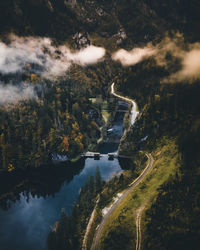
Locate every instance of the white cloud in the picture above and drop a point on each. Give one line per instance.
(128, 58)
(165, 53)
(40, 56)
(13, 59)
(190, 70)
(52, 60)
(89, 55)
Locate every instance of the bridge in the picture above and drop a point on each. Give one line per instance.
(110, 156)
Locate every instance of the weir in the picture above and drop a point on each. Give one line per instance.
(111, 156)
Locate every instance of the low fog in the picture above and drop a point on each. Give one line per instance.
(190, 67)
(51, 61)
(38, 55)
(86, 56)
(128, 58)
(165, 53)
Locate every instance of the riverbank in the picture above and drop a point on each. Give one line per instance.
(133, 114)
(134, 109)
(117, 127)
(108, 198)
(51, 190)
(46, 193)
(49, 179)
(123, 218)
(137, 201)
(111, 193)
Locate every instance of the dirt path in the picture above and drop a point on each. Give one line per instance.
(95, 245)
(84, 246)
(138, 227)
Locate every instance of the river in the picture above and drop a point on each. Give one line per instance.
(29, 212)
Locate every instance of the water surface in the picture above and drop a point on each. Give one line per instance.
(29, 217)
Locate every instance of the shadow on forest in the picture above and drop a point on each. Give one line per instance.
(42, 182)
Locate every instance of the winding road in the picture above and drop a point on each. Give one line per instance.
(95, 245)
(134, 112)
(131, 188)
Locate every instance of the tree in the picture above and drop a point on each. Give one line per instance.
(52, 137)
(65, 144)
(98, 181)
(4, 158)
(51, 241)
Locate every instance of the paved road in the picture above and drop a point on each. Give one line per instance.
(134, 112)
(131, 187)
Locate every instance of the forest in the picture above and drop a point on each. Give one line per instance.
(62, 119)
(69, 232)
(55, 123)
(170, 110)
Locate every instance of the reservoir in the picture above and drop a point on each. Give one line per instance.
(28, 212)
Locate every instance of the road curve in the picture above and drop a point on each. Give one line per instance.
(134, 112)
(131, 188)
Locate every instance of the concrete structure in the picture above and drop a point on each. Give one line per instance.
(111, 156)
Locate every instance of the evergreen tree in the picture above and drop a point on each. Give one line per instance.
(98, 181)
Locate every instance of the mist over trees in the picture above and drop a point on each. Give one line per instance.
(57, 116)
(57, 122)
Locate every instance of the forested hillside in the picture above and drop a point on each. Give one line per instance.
(58, 119)
(141, 20)
(54, 123)
(170, 110)
(61, 119)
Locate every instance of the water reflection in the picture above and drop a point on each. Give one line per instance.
(42, 182)
(28, 220)
(32, 201)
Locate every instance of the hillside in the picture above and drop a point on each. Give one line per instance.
(158, 67)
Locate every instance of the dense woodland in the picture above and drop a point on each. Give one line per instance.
(171, 110)
(69, 232)
(142, 20)
(58, 120)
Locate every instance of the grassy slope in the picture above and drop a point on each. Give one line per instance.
(104, 111)
(166, 166)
